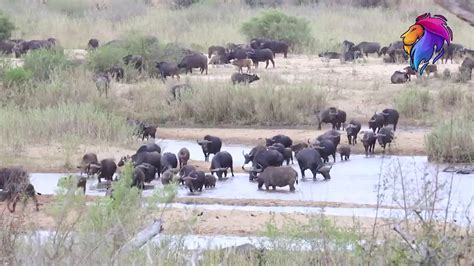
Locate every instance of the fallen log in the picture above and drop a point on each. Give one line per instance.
(142, 237)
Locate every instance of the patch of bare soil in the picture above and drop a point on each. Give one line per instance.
(195, 220)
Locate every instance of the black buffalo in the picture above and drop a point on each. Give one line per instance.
(210, 145)
(326, 148)
(6, 47)
(277, 47)
(376, 122)
(390, 118)
(399, 77)
(243, 78)
(194, 61)
(85, 164)
(253, 152)
(352, 130)
(283, 139)
(149, 171)
(183, 157)
(384, 137)
(16, 182)
(168, 161)
(220, 163)
(309, 158)
(333, 116)
(93, 44)
(264, 159)
(451, 51)
(287, 156)
(216, 50)
(466, 68)
(167, 69)
(368, 140)
(347, 45)
(149, 147)
(195, 181)
(105, 169)
(368, 48)
(262, 55)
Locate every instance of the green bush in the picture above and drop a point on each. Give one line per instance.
(16, 76)
(105, 57)
(413, 103)
(276, 25)
(42, 63)
(6, 27)
(452, 141)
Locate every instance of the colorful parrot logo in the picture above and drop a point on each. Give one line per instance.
(424, 39)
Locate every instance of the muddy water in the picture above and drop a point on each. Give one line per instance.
(353, 181)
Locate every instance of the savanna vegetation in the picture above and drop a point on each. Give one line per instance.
(50, 98)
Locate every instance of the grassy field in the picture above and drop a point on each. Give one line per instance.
(51, 114)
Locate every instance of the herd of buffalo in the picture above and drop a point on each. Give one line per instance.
(244, 56)
(264, 163)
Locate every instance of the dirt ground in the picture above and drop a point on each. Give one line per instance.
(201, 221)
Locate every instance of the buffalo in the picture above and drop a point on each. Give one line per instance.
(325, 148)
(376, 122)
(210, 145)
(185, 171)
(298, 147)
(333, 116)
(309, 158)
(351, 55)
(93, 44)
(280, 176)
(167, 69)
(6, 47)
(277, 47)
(332, 135)
(105, 169)
(368, 140)
(399, 77)
(243, 78)
(344, 151)
(194, 61)
(149, 147)
(347, 45)
(209, 181)
(466, 68)
(256, 43)
(15, 181)
(149, 171)
(450, 51)
(152, 158)
(253, 152)
(411, 72)
(136, 61)
(264, 159)
(241, 63)
(183, 157)
(368, 48)
(25, 46)
(390, 118)
(431, 69)
(138, 178)
(330, 55)
(168, 161)
(384, 137)
(85, 165)
(352, 131)
(216, 50)
(240, 53)
(195, 181)
(286, 152)
(261, 55)
(220, 163)
(283, 139)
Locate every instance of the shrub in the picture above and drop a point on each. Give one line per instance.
(451, 141)
(276, 25)
(105, 57)
(42, 63)
(16, 77)
(6, 27)
(413, 103)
